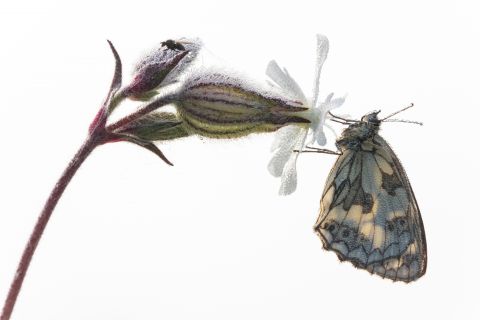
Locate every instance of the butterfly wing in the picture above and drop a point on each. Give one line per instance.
(369, 215)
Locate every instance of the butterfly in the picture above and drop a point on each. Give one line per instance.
(368, 211)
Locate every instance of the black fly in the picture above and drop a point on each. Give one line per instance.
(173, 45)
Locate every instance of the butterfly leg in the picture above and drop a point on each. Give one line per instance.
(341, 120)
(318, 150)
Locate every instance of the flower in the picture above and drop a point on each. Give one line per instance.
(210, 101)
(220, 103)
(291, 138)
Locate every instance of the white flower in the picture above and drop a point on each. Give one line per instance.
(293, 137)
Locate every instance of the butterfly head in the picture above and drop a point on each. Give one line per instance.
(372, 118)
(359, 131)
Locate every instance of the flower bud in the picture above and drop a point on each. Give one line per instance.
(219, 105)
(160, 67)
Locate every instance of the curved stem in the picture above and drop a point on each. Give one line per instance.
(92, 141)
(98, 135)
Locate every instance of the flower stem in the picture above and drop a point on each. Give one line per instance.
(150, 107)
(95, 139)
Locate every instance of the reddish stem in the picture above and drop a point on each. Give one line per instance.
(98, 135)
(92, 141)
(99, 120)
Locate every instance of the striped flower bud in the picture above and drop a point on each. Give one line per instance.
(219, 105)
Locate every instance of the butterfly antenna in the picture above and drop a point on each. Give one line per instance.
(397, 112)
(405, 121)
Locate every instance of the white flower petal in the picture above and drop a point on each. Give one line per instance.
(322, 52)
(288, 182)
(276, 164)
(283, 136)
(318, 135)
(283, 79)
(327, 99)
(286, 139)
(278, 161)
(320, 138)
(335, 103)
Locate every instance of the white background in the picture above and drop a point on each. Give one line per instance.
(209, 238)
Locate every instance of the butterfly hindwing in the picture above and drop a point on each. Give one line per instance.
(369, 215)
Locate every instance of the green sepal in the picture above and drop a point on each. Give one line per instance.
(156, 126)
(150, 146)
(145, 96)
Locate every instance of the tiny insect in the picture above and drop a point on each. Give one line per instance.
(368, 212)
(173, 45)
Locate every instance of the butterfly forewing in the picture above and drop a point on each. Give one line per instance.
(368, 212)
